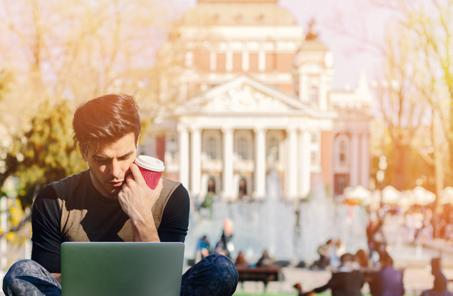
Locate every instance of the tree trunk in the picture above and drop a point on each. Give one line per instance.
(438, 174)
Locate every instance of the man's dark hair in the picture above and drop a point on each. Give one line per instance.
(106, 119)
(346, 257)
(386, 259)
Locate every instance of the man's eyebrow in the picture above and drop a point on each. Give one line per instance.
(126, 154)
(105, 157)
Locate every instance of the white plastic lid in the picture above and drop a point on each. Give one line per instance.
(150, 163)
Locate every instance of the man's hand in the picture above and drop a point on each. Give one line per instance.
(137, 199)
(57, 277)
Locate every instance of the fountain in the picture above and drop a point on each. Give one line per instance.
(288, 230)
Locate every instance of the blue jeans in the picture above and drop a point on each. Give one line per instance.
(215, 275)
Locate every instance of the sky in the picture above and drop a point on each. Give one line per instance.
(352, 29)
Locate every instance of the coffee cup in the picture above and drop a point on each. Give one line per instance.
(151, 169)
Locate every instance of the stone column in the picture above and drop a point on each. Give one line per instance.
(304, 162)
(292, 177)
(355, 155)
(183, 137)
(365, 171)
(196, 161)
(260, 163)
(228, 185)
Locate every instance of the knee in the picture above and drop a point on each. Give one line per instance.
(223, 271)
(215, 275)
(21, 267)
(16, 270)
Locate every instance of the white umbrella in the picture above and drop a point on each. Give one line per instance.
(356, 195)
(423, 197)
(390, 195)
(446, 196)
(406, 200)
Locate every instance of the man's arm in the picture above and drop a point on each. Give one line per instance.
(175, 219)
(46, 236)
(323, 288)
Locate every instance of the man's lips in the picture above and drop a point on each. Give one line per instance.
(116, 183)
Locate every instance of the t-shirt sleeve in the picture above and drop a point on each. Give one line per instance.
(46, 236)
(175, 219)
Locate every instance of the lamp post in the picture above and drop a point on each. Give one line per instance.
(3, 226)
(380, 176)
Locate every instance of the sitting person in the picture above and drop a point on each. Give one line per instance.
(265, 260)
(225, 244)
(203, 248)
(323, 251)
(440, 281)
(388, 281)
(362, 259)
(241, 261)
(346, 281)
(300, 291)
(110, 202)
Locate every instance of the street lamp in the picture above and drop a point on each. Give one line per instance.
(380, 176)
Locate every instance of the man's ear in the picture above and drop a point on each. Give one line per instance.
(84, 151)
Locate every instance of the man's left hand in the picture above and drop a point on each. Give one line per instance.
(137, 199)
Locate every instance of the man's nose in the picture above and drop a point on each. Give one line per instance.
(116, 169)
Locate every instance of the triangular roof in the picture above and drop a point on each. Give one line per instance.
(243, 95)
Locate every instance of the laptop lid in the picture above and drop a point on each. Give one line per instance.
(121, 268)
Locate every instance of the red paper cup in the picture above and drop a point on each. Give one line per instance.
(151, 169)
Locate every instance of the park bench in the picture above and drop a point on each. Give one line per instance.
(259, 274)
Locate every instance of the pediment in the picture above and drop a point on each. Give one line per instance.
(242, 95)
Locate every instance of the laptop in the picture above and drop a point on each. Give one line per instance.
(121, 268)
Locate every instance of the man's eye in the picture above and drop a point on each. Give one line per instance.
(101, 161)
(125, 157)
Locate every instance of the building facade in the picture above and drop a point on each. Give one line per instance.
(250, 97)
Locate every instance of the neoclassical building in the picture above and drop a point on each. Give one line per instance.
(249, 95)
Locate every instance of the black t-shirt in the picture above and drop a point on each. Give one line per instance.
(104, 215)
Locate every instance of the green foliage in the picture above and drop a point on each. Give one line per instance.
(44, 153)
(5, 79)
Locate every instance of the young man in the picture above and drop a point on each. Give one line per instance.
(346, 281)
(110, 202)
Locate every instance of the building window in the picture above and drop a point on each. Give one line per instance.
(314, 94)
(261, 61)
(229, 61)
(211, 146)
(171, 147)
(245, 61)
(314, 138)
(341, 181)
(243, 148)
(212, 61)
(242, 188)
(314, 158)
(211, 149)
(274, 153)
(211, 185)
(342, 153)
(188, 59)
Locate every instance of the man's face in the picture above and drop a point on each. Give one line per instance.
(110, 162)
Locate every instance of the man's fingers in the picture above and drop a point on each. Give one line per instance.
(138, 177)
(159, 186)
(130, 182)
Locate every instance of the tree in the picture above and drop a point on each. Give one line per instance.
(426, 28)
(44, 153)
(403, 113)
